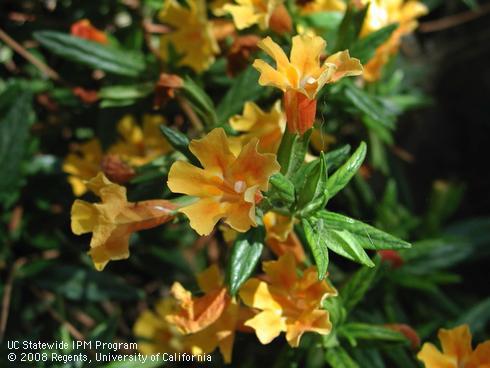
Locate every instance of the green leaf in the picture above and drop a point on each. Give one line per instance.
(77, 283)
(345, 244)
(369, 105)
(353, 292)
(342, 176)
(245, 87)
(364, 331)
(338, 358)
(316, 241)
(17, 116)
(245, 255)
(367, 235)
(350, 27)
(179, 142)
(364, 48)
(200, 102)
(292, 151)
(315, 184)
(92, 54)
(281, 189)
(476, 317)
(335, 158)
(133, 92)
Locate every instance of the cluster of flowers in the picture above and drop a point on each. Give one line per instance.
(230, 179)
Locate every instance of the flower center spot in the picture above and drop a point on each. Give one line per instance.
(240, 186)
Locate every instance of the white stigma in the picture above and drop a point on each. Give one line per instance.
(240, 186)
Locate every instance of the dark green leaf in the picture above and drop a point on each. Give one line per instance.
(342, 176)
(107, 58)
(353, 292)
(476, 317)
(364, 48)
(200, 102)
(364, 331)
(292, 151)
(350, 27)
(131, 92)
(315, 184)
(338, 358)
(345, 244)
(180, 142)
(244, 257)
(245, 87)
(316, 241)
(281, 189)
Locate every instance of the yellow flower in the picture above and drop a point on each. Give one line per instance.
(456, 351)
(155, 333)
(114, 220)
(209, 321)
(303, 75)
(249, 12)
(193, 35)
(256, 123)
(287, 303)
(139, 145)
(227, 187)
(323, 6)
(82, 164)
(382, 13)
(280, 236)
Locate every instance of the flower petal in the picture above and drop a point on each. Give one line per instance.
(270, 76)
(204, 214)
(346, 66)
(187, 179)
(209, 279)
(83, 217)
(456, 342)
(433, 358)
(282, 272)
(213, 151)
(306, 52)
(256, 294)
(267, 325)
(480, 357)
(311, 321)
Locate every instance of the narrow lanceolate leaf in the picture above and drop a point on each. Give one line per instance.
(180, 142)
(315, 184)
(292, 151)
(364, 48)
(336, 157)
(345, 244)
(245, 255)
(107, 58)
(133, 91)
(14, 132)
(281, 188)
(365, 331)
(314, 236)
(338, 358)
(245, 87)
(368, 236)
(344, 174)
(200, 102)
(359, 284)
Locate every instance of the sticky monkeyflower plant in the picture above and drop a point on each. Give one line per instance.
(247, 176)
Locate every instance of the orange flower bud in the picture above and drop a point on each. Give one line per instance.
(408, 331)
(116, 170)
(300, 111)
(391, 256)
(280, 21)
(84, 29)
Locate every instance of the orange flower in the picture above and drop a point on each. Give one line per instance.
(155, 333)
(209, 321)
(280, 236)
(256, 123)
(227, 187)
(82, 164)
(382, 13)
(301, 77)
(287, 303)
(84, 29)
(114, 220)
(192, 36)
(456, 351)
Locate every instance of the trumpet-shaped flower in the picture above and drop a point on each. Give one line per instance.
(156, 334)
(287, 303)
(382, 13)
(457, 351)
(227, 186)
(249, 12)
(82, 164)
(139, 145)
(256, 123)
(114, 220)
(192, 35)
(280, 236)
(209, 321)
(303, 75)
